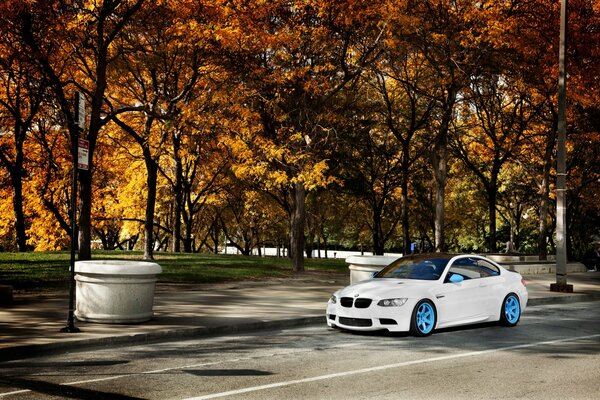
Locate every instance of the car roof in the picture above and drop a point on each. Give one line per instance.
(426, 256)
(438, 256)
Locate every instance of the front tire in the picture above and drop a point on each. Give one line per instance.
(424, 318)
(511, 310)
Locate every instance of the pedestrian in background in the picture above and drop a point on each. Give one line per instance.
(591, 258)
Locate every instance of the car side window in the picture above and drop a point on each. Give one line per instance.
(487, 269)
(465, 267)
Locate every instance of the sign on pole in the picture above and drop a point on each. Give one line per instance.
(80, 110)
(83, 154)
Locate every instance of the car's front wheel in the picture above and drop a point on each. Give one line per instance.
(511, 310)
(423, 319)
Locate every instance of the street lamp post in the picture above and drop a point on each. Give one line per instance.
(561, 173)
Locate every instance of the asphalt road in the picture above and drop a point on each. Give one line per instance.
(554, 353)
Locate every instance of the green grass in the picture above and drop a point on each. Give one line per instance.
(48, 271)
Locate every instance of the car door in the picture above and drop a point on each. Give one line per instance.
(492, 285)
(461, 302)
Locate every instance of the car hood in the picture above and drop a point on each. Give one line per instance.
(387, 288)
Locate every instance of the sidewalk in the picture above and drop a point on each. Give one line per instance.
(31, 326)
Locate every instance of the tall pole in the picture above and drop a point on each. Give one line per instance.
(561, 173)
(79, 117)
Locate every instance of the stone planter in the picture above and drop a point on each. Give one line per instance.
(115, 291)
(363, 267)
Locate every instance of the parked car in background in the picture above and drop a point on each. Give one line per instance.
(421, 293)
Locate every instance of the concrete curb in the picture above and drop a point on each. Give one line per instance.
(29, 351)
(36, 350)
(570, 298)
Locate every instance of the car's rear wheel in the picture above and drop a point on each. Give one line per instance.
(423, 319)
(511, 310)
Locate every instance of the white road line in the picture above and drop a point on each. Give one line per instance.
(15, 392)
(385, 367)
(305, 380)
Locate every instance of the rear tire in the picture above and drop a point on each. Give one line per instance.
(511, 310)
(424, 318)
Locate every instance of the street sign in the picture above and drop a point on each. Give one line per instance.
(80, 110)
(83, 154)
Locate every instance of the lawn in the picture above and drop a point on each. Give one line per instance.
(48, 271)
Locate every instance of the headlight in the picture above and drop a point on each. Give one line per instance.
(392, 302)
(333, 299)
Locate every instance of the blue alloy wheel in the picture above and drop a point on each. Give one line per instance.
(511, 310)
(423, 319)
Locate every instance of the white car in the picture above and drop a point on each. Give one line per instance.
(421, 293)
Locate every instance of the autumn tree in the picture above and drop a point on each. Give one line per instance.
(405, 110)
(157, 74)
(204, 165)
(500, 122)
(348, 119)
(50, 167)
(370, 162)
(534, 36)
(457, 39)
(516, 206)
(23, 92)
(293, 57)
(196, 162)
(72, 43)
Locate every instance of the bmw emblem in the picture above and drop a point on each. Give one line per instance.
(356, 295)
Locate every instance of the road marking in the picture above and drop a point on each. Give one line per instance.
(384, 367)
(305, 380)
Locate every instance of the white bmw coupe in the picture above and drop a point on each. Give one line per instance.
(420, 293)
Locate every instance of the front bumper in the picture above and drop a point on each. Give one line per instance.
(372, 318)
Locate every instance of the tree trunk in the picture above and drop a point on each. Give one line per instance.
(187, 240)
(404, 211)
(216, 236)
(492, 195)
(178, 205)
(297, 220)
(177, 224)
(440, 164)
(151, 179)
(19, 215)
(378, 245)
(545, 196)
(17, 184)
(85, 215)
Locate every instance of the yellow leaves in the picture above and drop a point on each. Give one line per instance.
(276, 166)
(439, 38)
(279, 178)
(44, 232)
(315, 176)
(6, 213)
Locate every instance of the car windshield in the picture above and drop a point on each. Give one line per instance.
(422, 268)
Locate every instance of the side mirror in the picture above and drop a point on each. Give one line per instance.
(456, 278)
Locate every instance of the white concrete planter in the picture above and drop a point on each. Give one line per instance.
(115, 291)
(363, 267)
